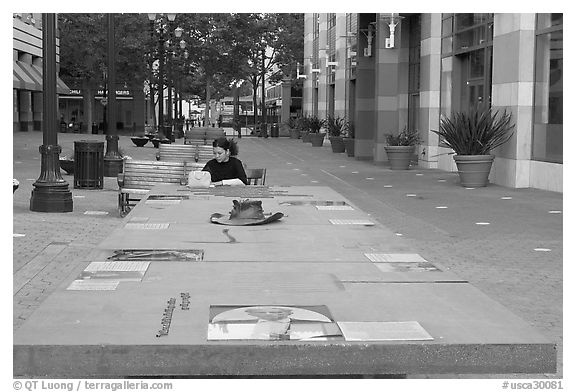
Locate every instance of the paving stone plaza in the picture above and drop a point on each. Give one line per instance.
(473, 233)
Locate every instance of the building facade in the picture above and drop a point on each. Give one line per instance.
(387, 72)
(27, 72)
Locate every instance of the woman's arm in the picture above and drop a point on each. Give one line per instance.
(241, 173)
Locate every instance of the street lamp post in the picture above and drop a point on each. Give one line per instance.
(112, 158)
(51, 192)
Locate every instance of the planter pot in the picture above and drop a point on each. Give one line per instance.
(140, 141)
(294, 134)
(305, 137)
(474, 169)
(399, 156)
(67, 165)
(349, 144)
(157, 142)
(337, 143)
(317, 139)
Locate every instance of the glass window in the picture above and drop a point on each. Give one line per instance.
(447, 45)
(548, 97)
(468, 20)
(447, 26)
(549, 20)
(331, 20)
(477, 64)
(470, 38)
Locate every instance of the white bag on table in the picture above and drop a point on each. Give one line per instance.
(199, 179)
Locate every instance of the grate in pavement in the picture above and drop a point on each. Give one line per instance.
(364, 222)
(147, 226)
(168, 197)
(334, 208)
(124, 266)
(95, 212)
(159, 254)
(395, 258)
(85, 285)
(383, 330)
(162, 202)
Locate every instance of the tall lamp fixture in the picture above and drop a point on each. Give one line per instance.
(391, 20)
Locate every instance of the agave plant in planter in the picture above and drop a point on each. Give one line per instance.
(336, 127)
(316, 137)
(400, 148)
(304, 126)
(473, 135)
(349, 139)
(293, 127)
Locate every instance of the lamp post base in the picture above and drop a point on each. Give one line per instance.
(112, 166)
(51, 192)
(112, 159)
(51, 198)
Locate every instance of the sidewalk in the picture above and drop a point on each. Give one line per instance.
(506, 242)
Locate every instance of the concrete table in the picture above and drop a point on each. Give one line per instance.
(362, 273)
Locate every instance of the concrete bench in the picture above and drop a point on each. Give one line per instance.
(138, 177)
(199, 153)
(204, 135)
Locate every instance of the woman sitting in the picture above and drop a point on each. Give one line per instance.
(225, 168)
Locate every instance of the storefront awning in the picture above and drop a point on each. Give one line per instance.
(29, 77)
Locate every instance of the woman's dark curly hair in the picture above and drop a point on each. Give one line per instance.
(226, 144)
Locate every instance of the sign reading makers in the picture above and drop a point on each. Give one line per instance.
(158, 255)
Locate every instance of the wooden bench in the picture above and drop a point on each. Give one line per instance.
(199, 153)
(204, 135)
(138, 177)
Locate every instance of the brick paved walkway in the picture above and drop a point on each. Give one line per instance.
(499, 258)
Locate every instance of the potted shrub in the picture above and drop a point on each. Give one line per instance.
(316, 137)
(336, 127)
(400, 148)
(473, 135)
(293, 127)
(304, 126)
(348, 139)
(140, 141)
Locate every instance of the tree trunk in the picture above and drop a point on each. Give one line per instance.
(87, 100)
(255, 98)
(207, 108)
(264, 131)
(152, 104)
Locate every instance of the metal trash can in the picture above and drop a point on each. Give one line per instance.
(274, 130)
(88, 164)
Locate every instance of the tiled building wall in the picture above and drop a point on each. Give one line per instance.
(431, 27)
(382, 97)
